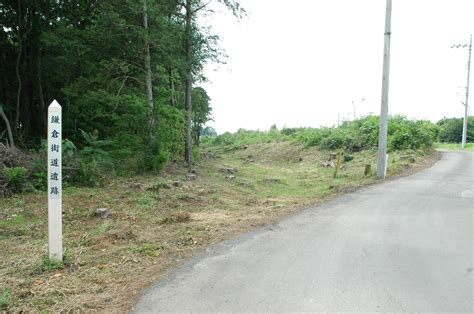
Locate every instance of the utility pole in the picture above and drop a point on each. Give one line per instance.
(354, 106)
(466, 103)
(383, 130)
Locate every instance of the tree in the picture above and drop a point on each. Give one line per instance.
(148, 83)
(189, 80)
(209, 131)
(202, 112)
(195, 54)
(125, 68)
(451, 130)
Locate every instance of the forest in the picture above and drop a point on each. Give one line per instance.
(126, 73)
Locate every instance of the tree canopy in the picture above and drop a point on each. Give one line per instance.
(119, 68)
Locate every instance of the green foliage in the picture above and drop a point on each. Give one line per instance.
(68, 148)
(41, 180)
(94, 148)
(407, 134)
(89, 55)
(49, 265)
(92, 165)
(91, 173)
(196, 153)
(244, 137)
(351, 136)
(208, 132)
(451, 130)
(201, 112)
(5, 298)
(167, 146)
(16, 178)
(456, 146)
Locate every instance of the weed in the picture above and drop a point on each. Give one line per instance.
(48, 265)
(146, 201)
(16, 178)
(216, 196)
(102, 228)
(160, 184)
(5, 298)
(15, 220)
(80, 211)
(146, 249)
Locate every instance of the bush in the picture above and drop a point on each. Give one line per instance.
(91, 172)
(245, 137)
(407, 134)
(451, 130)
(16, 178)
(351, 136)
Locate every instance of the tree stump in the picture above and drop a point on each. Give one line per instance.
(367, 170)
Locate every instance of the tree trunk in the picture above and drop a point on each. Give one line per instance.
(171, 86)
(189, 84)
(41, 94)
(149, 88)
(17, 69)
(197, 137)
(9, 129)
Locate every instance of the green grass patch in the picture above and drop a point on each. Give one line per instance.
(146, 201)
(145, 249)
(5, 298)
(454, 146)
(103, 228)
(14, 221)
(49, 265)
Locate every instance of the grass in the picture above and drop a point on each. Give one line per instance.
(154, 225)
(454, 146)
(50, 265)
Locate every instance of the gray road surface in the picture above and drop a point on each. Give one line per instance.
(404, 245)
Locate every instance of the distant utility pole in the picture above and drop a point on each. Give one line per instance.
(382, 155)
(466, 103)
(353, 105)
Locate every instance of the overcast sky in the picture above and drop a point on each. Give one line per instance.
(301, 62)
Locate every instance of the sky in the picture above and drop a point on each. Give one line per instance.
(307, 62)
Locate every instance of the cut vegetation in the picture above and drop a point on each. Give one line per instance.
(153, 223)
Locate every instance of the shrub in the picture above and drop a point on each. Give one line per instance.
(90, 172)
(350, 136)
(16, 178)
(408, 134)
(245, 137)
(450, 130)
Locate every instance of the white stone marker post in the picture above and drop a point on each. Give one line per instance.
(55, 212)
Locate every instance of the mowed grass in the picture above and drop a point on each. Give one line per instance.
(454, 146)
(155, 223)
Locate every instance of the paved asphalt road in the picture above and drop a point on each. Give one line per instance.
(404, 245)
